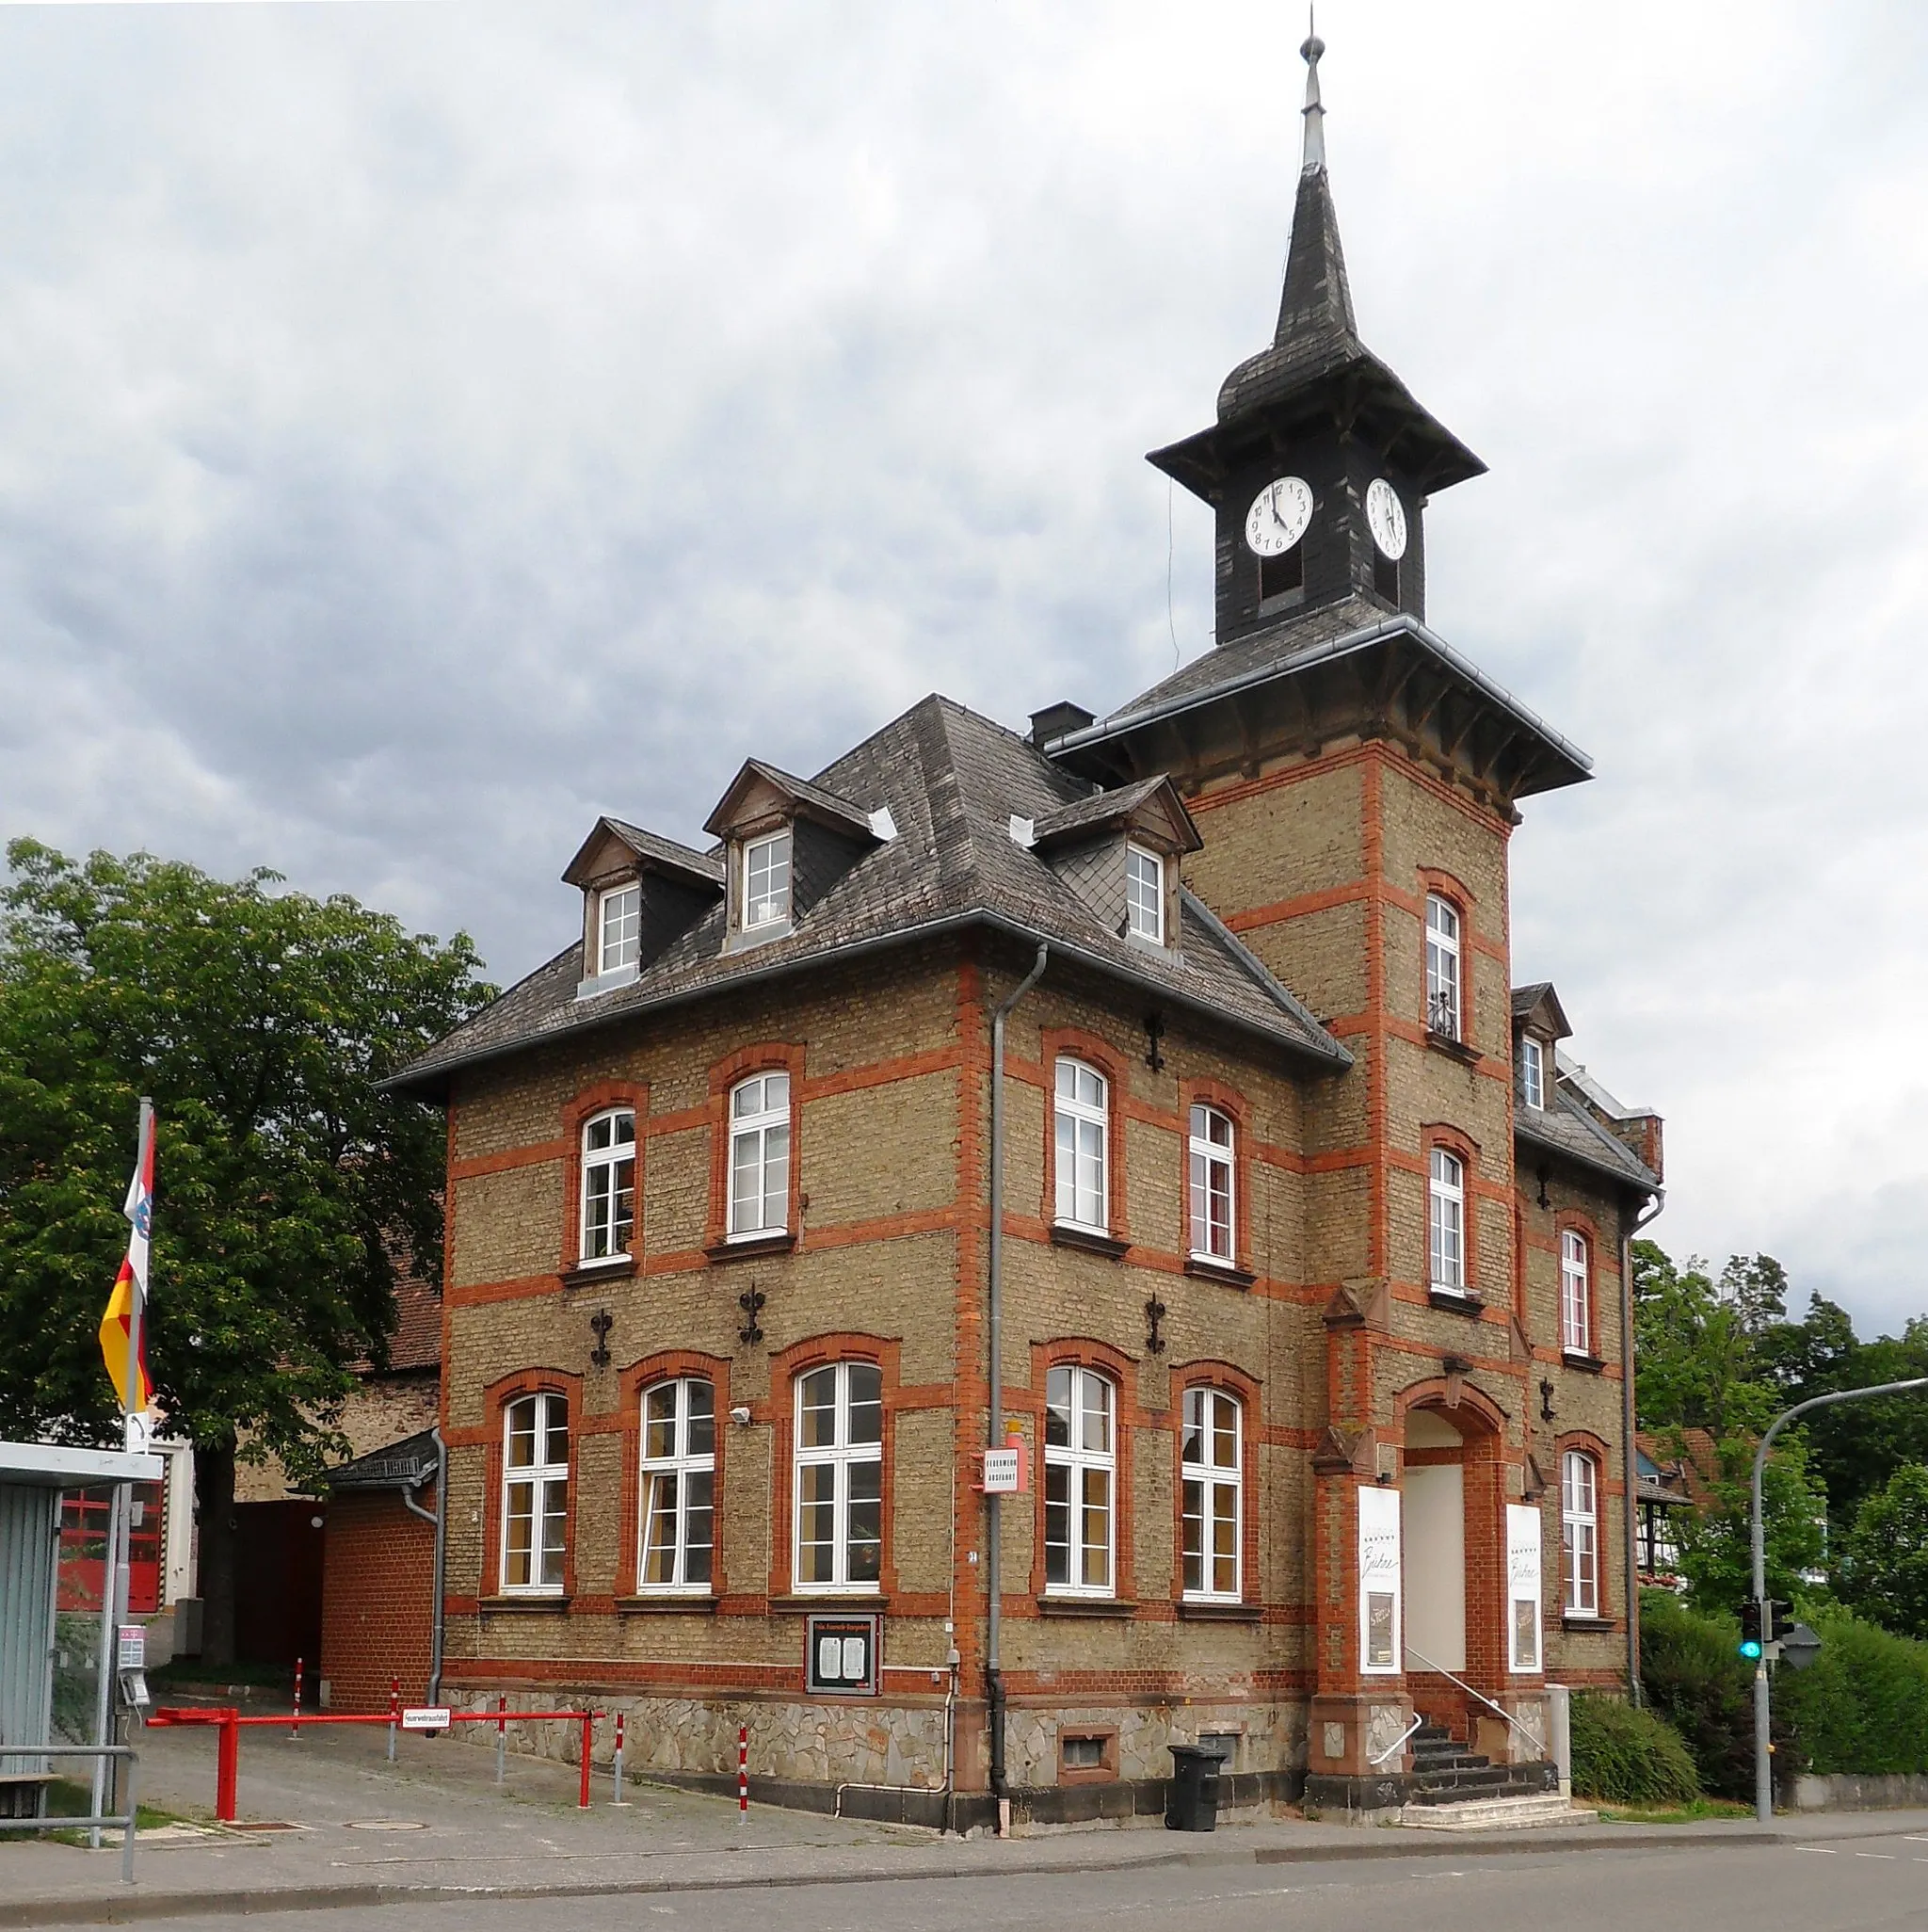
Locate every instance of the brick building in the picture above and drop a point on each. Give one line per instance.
(1305, 1298)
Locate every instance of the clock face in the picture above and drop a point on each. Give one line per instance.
(1386, 517)
(1279, 516)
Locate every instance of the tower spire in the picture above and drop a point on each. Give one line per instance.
(1316, 304)
(1314, 110)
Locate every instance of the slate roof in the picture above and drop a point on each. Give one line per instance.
(1563, 1126)
(824, 802)
(952, 781)
(649, 845)
(1101, 809)
(398, 1465)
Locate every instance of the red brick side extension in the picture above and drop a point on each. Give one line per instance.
(377, 1579)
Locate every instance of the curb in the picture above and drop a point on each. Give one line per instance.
(114, 1908)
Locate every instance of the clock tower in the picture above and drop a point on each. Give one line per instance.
(1321, 461)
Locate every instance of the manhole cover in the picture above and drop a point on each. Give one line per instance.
(384, 1824)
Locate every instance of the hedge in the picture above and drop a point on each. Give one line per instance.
(1629, 1757)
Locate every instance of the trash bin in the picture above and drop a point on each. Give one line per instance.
(1192, 1804)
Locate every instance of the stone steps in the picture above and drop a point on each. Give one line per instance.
(1522, 1812)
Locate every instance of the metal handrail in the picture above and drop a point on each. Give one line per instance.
(1500, 1710)
(125, 1820)
(1399, 1745)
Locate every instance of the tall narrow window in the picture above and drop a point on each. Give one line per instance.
(1080, 1465)
(1446, 1223)
(840, 1477)
(1144, 894)
(609, 1184)
(1580, 1533)
(535, 1494)
(619, 921)
(1211, 1185)
(760, 1156)
(766, 880)
(1576, 1298)
(1442, 967)
(679, 1486)
(1081, 1146)
(1208, 1475)
(1532, 1071)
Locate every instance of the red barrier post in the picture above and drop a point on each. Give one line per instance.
(294, 1729)
(588, 1724)
(394, 1713)
(617, 1797)
(227, 1766)
(742, 1774)
(501, 1739)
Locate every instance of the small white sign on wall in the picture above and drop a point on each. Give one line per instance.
(1379, 1619)
(1523, 1635)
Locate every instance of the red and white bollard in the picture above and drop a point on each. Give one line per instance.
(501, 1739)
(294, 1728)
(618, 1798)
(394, 1713)
(742, 1774)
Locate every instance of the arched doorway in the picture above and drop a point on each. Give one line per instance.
(1435, 1543)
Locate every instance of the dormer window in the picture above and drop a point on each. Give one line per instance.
(1532, 1071)
(1144, 894)
(766, 882)
(619, 926)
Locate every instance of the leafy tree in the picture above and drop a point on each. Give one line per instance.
(1697, 1342)
(261, 1022)
(1717, 1541)
(1882, 1566)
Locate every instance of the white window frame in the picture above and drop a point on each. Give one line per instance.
(1576, 1297)
(619, 927)
(1077, 1468)
(771, 906)
(1579, 1540)
(1445, 1222)
(1207, 1489)
(1532, 1072)
(1211, 1167)
(674, 1460)
(1442, 967)
(602, 1212)
(1081, 1127)
(545, 1481)
(1144, 894)
(762, 1135)
(847, 1460)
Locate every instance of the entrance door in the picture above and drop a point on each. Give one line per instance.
(1434, 1544)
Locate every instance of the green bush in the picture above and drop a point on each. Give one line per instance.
(1863, 1704)
(1694, 1677)
(1629, 1757)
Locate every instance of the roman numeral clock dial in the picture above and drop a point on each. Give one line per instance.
(1279, 516)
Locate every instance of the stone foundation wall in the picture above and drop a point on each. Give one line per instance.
(1272, 1737)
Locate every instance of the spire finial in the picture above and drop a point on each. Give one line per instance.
(1314, 110)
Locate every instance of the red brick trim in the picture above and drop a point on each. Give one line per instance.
(1074, 1042)
(577, 1112)
(1472, 1406)
(765, 1056)
(497, 1397)
(1234, 1382)
(1127, 1419)
(1587, 1444)
(1228, 1101)
(780, 1411)
(665, 1365)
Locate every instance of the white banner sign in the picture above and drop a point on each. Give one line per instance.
(426, 1718)
(1523, 1588)
(1379, 1624)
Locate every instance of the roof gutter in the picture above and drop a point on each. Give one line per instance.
(1332, 1055)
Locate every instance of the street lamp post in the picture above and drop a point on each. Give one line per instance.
(1763, 1772)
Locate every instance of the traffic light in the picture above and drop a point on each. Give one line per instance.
(1750, 1629)
(1777, 1619)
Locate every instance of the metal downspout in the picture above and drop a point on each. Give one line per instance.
(1630, 1474)
(995, 1324)
(440, 1519)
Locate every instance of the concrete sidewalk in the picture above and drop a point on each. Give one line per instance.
(339, 1827)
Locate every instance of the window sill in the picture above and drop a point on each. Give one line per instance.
(748, 1247)
(594, 984)
(1085, 1606)
(557, 1606)
(1208, 1269)
(1454, 1048)
(746, 938)
(830, 1599)
(1205, 1610)
(1064, 1235)
(1576, 1620)
(1586, 1364)
(692, 1604)
(1458, 1300)
(614, 1268)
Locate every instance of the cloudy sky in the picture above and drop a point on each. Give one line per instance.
(422, 426)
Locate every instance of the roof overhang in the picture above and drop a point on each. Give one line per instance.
(48, 1465)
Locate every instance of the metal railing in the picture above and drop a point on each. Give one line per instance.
(1526, 1730)
(1399, 1743)
(125, 1820)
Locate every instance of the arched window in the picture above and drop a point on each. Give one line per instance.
(1080, 1472)
(535, 1494)
(760, 1156)
(1210, 1473)
(840, 1477)
(609, 1184)
(1576, 1294)
(1580, 1523)
(1211, 1185)
(679, 1486)
(1082, 1126)
(1446, 1223)
(1442, 967)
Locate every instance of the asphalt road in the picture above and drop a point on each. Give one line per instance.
(1856, 1886)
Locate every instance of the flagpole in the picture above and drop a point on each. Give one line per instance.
(137, 1290)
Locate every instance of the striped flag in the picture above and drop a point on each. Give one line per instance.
(130, 1285)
